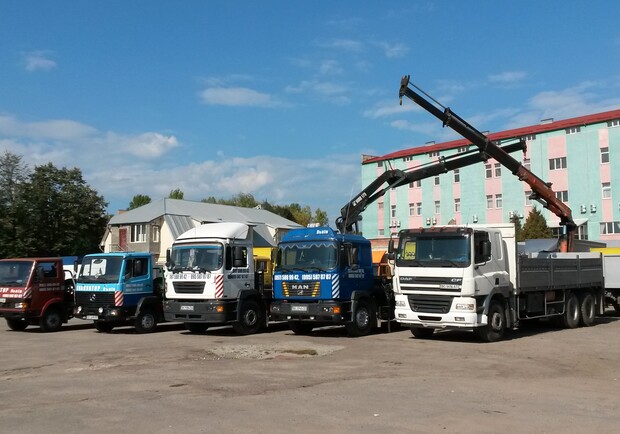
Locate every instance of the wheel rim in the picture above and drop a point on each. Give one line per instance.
(147, 322)
(250, 317)
(497, 321)
(53, 320)
(362, 317)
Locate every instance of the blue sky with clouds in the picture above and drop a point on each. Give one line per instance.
(281, 98)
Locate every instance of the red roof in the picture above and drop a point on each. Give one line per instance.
(502, 135)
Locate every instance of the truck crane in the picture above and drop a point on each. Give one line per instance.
(350, 214)
(541, 190)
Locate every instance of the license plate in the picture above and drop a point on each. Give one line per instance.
(299, 308)
(187, 307)
(2, 300)
(95, 317)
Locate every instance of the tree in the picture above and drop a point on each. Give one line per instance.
(139, 200)
(176, 194)
(13, 172)
(516, 220)
(320, 217)
(59, 214)
(536, 226)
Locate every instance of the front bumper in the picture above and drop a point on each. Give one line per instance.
(203, 311)
(331, 312)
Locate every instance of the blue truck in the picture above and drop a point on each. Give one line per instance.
(115, 289)
(323, 277)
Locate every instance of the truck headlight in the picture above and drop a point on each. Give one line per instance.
(466, 306)
(401, 303)
(78, 309)
(100, 310)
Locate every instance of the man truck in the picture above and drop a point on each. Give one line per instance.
(120, 288)
(211, 280)
(35, 291)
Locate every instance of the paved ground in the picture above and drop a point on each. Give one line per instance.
(78, 380)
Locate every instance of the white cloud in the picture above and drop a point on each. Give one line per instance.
(236, 97)
(38, 61)
(508, 77)
(332, 92)
(343, 45)
(389, 108)
(56, 129)
(393, 51)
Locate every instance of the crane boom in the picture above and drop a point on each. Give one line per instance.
(541, 191)
(350, 214)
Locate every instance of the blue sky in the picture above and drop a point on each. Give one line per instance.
(281, 98)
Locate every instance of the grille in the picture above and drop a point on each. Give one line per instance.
(189, 287)
(306, 289)
(94, 299)
(430, 303)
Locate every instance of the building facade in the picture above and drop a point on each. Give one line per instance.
(580, 157)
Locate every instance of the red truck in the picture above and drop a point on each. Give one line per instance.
(35, 291)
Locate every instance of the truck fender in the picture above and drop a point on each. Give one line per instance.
(56, 301)
(246, 294)
(150, 302)
(501, 294)
(356, 296)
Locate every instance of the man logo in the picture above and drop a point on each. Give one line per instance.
(93, 297)
(300, 292)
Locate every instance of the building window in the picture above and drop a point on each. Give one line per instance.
(138, 233)
(437, 207)
(379, 163)
(411, 185)
(437, 180)
(557, 163)
(457, 176)
(528, 201)
(412, 209)
(418, 183)
(457, 205)
(562, 195)
(610, 228)
(489, 201)
(527, 164)
(604, 155)
(606, 190)
(498, 201)
(530, 137)
(433, 154)
(155, 234)
(380, 205)
(407, 158)
(488, 171)
(381, 232)
(573, 130)
(461, 149)
(613, 123)
(393, 211)
(498, 170)
(419, 207)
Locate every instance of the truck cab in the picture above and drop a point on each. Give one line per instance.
(123, 288)
(324, 278)
(35, 291)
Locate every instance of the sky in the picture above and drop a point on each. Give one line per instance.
(280, 99)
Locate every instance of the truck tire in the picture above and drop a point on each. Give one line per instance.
(17, 324)
(572, 316)
(146, 321)
(300, 328)
(496, 324)
(251, 318)
(616, 306)
(103, 327)
(196, 327)
(52, 320)
(422, 332)
(587, 309)
(363, 320)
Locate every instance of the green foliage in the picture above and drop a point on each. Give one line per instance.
(536, 226)
(516, 220)
(56, 214)
(294, 211)
(139, 200)
(176, 194)
(13, 172)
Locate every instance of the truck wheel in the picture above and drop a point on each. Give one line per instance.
(616, 306)
(571, 312)
(251, 318)
(16, 324)
(145, 321)
(496, 324)
(300, 328)
(52, 320)
(103, 327)
(196, 327)
(587, 309)
(422, 332)
(363, 320)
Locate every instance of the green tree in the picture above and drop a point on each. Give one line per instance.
(516, 220)
(176, 194)
(320, 217)
(139, 200)
(536, 226)
(13, 173)
(59, 214)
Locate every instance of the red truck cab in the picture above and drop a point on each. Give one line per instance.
(35, 291)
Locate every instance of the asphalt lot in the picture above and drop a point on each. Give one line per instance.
(541, 379)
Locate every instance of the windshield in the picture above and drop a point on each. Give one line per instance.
(14, 273)
(100, 269)
(206, 257)
(434, 251)
(309, 256)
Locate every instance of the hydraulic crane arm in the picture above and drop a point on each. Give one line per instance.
(541, 191)
(350, 214)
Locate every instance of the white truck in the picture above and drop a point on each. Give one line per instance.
(211, 280)
(471, 278)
